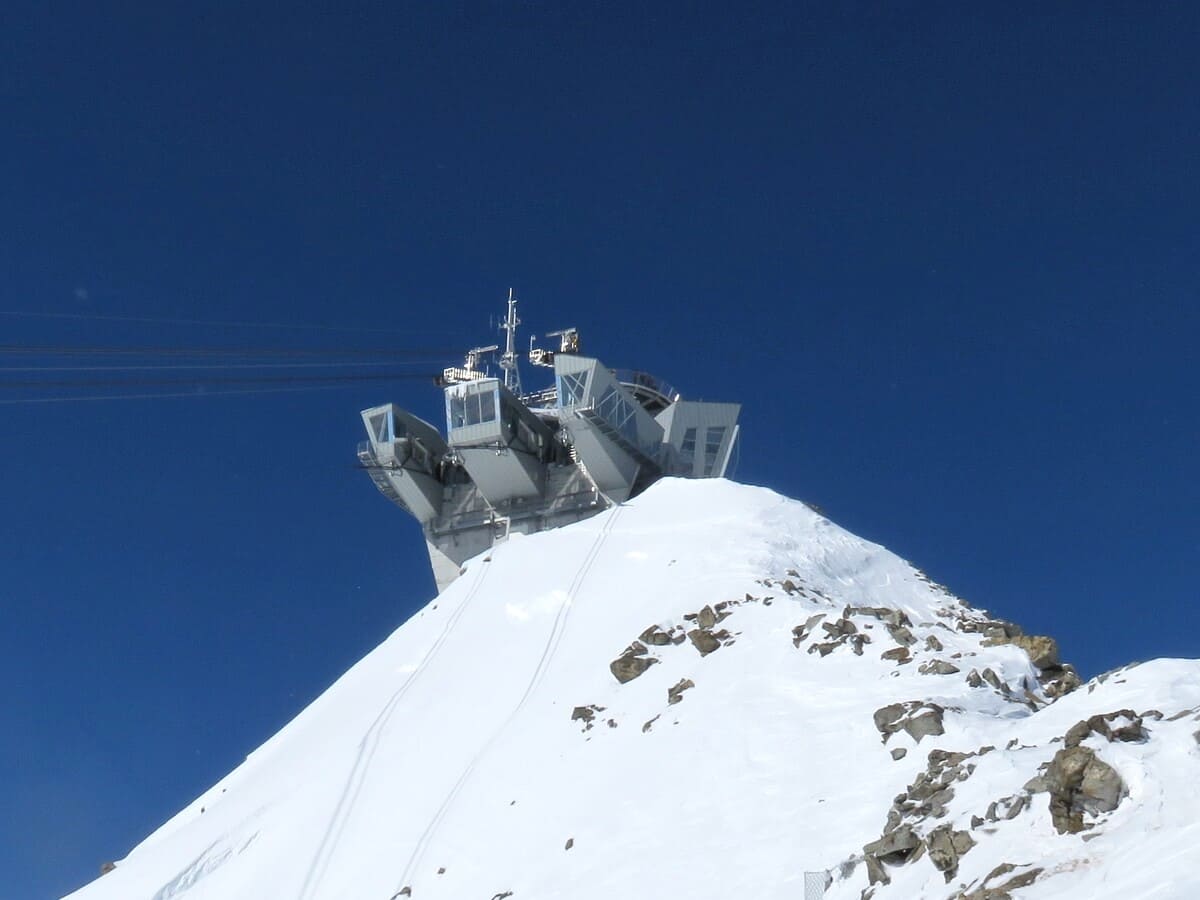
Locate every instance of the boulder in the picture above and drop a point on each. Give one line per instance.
(1042, 650)
(675, 694)
(655, 636)
(627, 668)
(925, 723)
(704, 641)
(1078, 782)
(895, 846)
(898, 654)
(945, 847)
(938, 667)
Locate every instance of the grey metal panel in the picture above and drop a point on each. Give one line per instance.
(611, 468)
(502, 474)
(701, 416)
(405, 451)
(484, 433)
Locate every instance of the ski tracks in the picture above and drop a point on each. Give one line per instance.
(548, 651)
(367, 748)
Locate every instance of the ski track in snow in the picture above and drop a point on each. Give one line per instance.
(552, 642)
(367, 747)
(772, 766)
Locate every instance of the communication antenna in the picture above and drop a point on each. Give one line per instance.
(508, 361)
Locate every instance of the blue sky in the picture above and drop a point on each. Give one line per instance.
(944, 256)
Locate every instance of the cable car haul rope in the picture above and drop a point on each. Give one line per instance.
(33, 372)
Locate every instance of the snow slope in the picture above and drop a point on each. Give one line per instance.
(448, 764)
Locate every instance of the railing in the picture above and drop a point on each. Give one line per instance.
(645, 387)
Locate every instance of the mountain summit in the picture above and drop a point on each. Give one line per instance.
(706, 692)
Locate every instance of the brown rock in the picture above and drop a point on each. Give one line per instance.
(704, 641)
(675, 694)
(1078, 782)
(1042, 650)
(627, 668)
(899, 654)
(655, 636)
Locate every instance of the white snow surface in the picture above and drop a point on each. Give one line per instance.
(447, 761)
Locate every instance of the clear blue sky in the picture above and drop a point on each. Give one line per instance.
(944, 254)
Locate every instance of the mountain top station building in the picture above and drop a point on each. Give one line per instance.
(526, 462)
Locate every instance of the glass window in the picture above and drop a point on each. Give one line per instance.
(619, 412)
(456, 410)
(471, 408)
(712, 441)
(379, 428)
(712, 445)
(487, 406)
(688, 447)
(571, 389)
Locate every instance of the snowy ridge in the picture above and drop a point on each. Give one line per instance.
(782, 683)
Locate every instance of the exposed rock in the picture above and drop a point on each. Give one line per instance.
(569, 844)
(675, 694)
(899, 752)
(887, 717)
(840, 627)
(938, 667)
(646, 726)
(706, 618)
(800, 632)
(704, 641)
(945, 847)
(884, 614)
(655, 636)
(1000, 891)
(915, 717)
(1078, 782)
(1058, 681)
(585, 714)
(901, 635)
(1042, 650)
(107, 867)
(627, 668)
(899, 654)
(895, 846)
(1128, 728)
(933, 644)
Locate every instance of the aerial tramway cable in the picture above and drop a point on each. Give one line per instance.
(152, 320)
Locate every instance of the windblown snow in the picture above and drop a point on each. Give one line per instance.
(705, 693)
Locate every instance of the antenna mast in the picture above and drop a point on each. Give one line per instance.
(508, 362)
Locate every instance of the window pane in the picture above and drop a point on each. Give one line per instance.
(689, 442)
(458, 411)
(487, 407)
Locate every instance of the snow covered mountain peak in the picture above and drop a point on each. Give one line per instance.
(703, 693)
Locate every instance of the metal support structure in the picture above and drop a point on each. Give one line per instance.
(508, 362)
